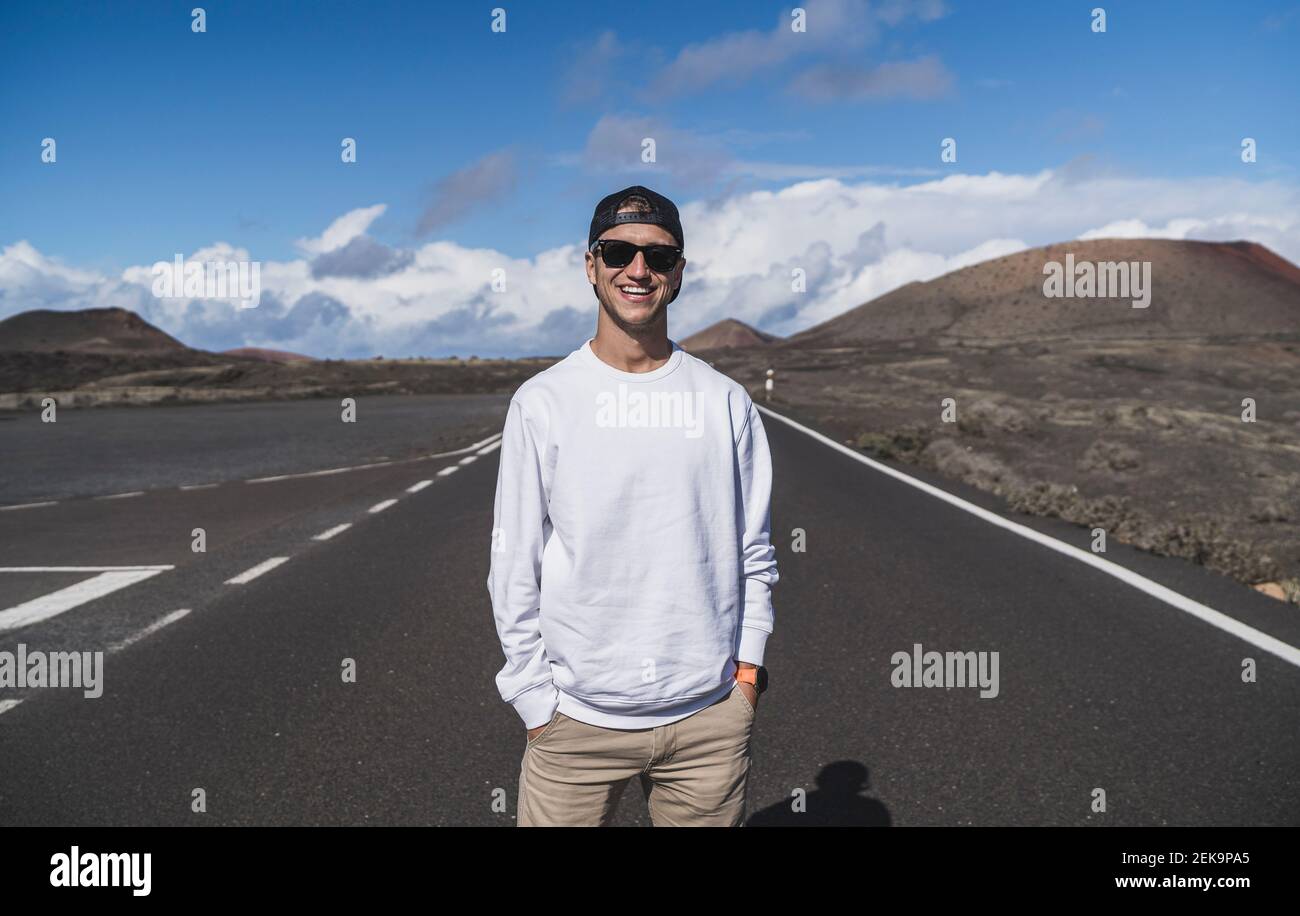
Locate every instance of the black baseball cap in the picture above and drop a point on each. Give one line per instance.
(663, 212)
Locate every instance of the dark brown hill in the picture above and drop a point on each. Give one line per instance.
(1218, 290)
(108, 330)
(725, 334)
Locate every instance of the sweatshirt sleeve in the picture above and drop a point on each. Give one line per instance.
(520, 529)
(758, 556)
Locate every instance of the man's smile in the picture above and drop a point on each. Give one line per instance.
(634, 293)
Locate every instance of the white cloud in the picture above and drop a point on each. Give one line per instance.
(342, 230)
(855, 241)
(22, 264)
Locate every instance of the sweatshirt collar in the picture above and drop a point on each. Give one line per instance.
(589, 356)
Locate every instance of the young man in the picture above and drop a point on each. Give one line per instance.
(632, 565)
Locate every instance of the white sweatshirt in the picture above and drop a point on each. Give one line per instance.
(632, 564)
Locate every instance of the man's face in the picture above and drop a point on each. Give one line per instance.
(629, 310)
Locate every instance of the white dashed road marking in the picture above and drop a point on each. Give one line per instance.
(249, 575)
(122, 495)
(6, 705)
(380, 507)
(29, 505)
(416, 488)
(448, 470)
(149, 630)
(337, 529)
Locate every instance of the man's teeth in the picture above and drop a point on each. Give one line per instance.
(635, 290)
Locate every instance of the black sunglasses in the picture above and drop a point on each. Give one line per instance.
(618, 253)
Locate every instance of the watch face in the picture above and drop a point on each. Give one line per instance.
(762, 679)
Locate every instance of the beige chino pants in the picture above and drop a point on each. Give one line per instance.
(693, 772)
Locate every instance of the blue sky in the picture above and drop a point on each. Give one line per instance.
(170, 141)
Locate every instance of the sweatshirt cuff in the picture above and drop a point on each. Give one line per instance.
(537, 705)
(753, 642)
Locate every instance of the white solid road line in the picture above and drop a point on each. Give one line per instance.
(65, 599)
(149, 630)
(380, 507)
(378, 464)
(482, 442)
(51, 502)
(1231, 625)
(452, 469)
(45, 569)
(323, 473)
(337, 529)
(416, 488)
(249, 575)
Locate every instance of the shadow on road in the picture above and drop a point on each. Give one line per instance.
(836, 802)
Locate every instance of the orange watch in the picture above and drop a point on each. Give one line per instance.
(756, 676)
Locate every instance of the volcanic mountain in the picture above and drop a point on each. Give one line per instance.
(1218, 290)
(725, 334)
(106, 330)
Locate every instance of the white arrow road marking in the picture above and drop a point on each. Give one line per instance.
(110, 579)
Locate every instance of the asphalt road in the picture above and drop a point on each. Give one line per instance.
(1101, 686)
